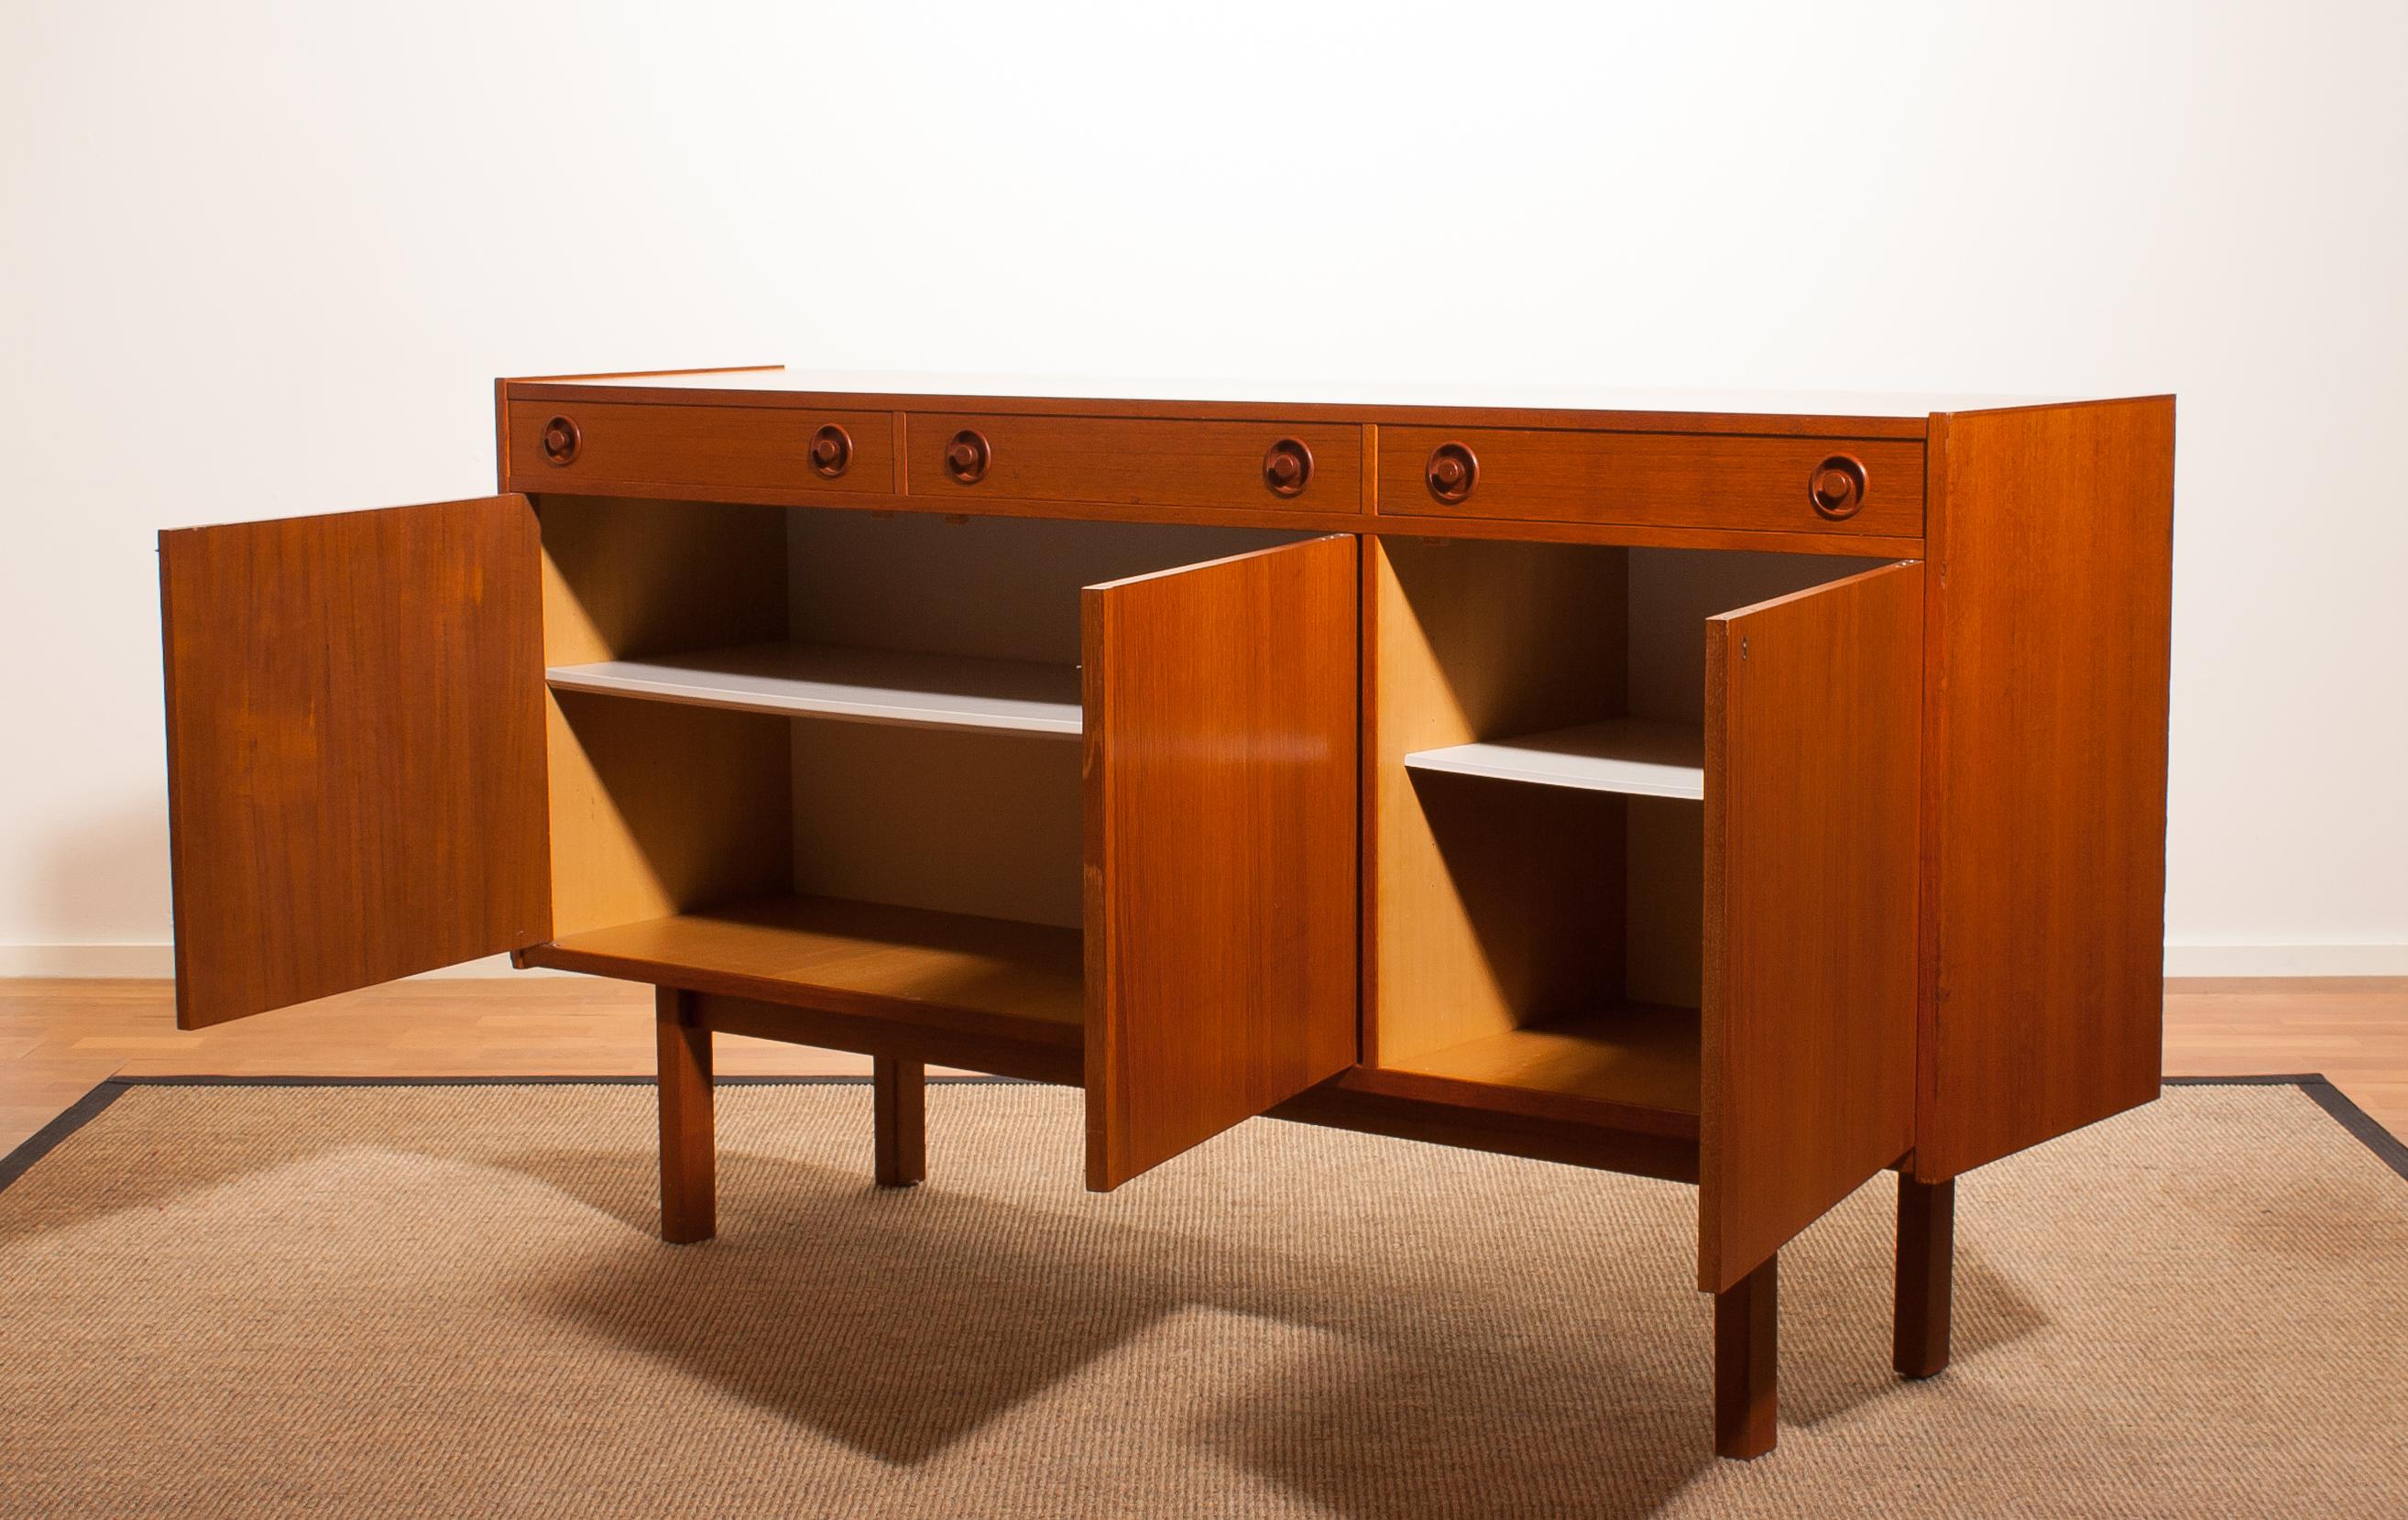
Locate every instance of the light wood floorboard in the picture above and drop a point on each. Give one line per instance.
(58, 1037)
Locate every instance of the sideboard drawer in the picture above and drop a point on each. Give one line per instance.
(1136, 461)
(601, 447)
(1662, 480)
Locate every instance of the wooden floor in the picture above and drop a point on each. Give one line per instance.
(59, 1038)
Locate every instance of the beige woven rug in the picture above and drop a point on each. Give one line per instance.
(447, 1299)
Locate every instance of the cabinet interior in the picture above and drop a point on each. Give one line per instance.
(829, 746)
(1537, 824)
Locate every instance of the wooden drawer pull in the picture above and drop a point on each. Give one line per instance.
(560, 441)
(966, 456)
(831, 451)
(1453, 470)
(1837, 486)
(1286, 467)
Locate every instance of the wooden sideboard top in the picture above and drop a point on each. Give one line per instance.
(1831, 414)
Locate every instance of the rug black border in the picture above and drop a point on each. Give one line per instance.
(2361, 1125)
(84, 1110)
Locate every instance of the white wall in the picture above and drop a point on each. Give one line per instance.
(264, 259)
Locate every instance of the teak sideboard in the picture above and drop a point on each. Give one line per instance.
(1745, 795)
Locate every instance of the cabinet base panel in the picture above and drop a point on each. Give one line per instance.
(1631, 1067)
(1364, 1100)
(987, 978)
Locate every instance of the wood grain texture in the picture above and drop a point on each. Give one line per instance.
(1747, 1363)
(689, 1143)
(1926, 1246)
(1137, 461)
(1668, 479)
(1116, 476)
(985, 976)
(1220, 886)
(1626, 1065)
(899, 1122)
(2045, 815)
(639, 450)
(1812, 722)
(1488, 904)
(355, 750)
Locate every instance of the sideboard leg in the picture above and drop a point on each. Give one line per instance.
(689, 1206)
(900, 1101)
(1747, 1362)
(1927, 1234)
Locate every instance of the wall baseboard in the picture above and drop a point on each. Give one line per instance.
(2286, 960)
(2193, 960)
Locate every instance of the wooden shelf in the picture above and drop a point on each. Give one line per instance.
(1612, 1066)
(859, 685)
(1631, 755)
(981, 976)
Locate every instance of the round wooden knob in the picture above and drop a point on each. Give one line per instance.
(831, 451)
(560, 441)
(1453, 470)
(966, 457)
(1286, 467)
(1837, 487)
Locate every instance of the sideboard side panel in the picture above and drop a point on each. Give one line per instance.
(2047, 615)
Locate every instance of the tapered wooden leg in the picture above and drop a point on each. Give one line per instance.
(689, 1203)
(1747, 1362)
(1926, 1236)
(899, 1091)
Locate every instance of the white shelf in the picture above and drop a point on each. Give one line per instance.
(1629, 755)
(859, 685)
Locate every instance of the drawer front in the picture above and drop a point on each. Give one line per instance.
(1662, 480)
(608, 447)
(1137, 462)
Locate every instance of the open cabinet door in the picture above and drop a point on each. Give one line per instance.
(355, 761)
(1814, 706)
(1221, 779)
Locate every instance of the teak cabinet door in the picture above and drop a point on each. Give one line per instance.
(2044, 890)
(355, 761)
(1221, 779)
(1813, 705)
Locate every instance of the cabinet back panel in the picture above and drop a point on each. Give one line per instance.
(626, 579)
(961, 822)
(1004, 588)
(1487, 898)
(1673, 593)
